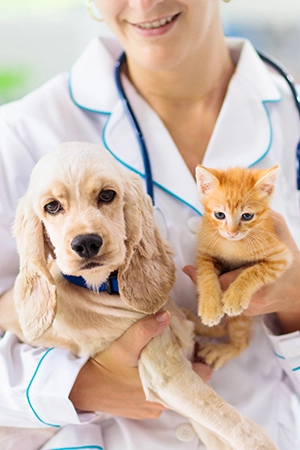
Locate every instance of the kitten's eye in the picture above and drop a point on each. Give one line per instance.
(247, 216)
(106, 195)
(219, 215)
(53, 207)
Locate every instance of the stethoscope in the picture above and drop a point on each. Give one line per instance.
(140, 137)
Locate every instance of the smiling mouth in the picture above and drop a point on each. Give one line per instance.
(156, 23)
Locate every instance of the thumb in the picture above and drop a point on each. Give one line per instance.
(191, 272)
(126, 350)
(203, 370)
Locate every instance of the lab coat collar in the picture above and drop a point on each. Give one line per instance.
(92, 88)
(91, 80)
(242, 134)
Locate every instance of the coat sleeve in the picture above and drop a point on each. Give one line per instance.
(286, 349)
(35, 384)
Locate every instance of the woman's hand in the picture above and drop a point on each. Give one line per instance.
(110, 381)
(282, 296)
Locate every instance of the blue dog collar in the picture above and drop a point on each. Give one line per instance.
(110, 285)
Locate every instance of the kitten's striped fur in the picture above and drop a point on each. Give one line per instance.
(236, 230)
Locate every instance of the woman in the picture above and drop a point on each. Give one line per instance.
(198, 98)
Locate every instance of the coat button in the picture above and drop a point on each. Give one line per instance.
(194, 223)
(185, 432)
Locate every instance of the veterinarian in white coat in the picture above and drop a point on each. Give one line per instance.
(238, 114)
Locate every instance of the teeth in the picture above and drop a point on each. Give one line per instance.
(156, 23)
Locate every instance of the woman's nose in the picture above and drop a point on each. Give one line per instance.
(144, 5)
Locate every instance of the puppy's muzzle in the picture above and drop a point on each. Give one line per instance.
(86, 245)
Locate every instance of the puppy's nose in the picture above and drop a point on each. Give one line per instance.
(86, 245)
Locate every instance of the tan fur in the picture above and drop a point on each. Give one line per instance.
(230, 242)
(54, 312)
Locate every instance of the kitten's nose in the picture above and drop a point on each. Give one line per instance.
(232, 235)
(86, 245)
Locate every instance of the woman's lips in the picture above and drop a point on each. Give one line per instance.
(155, 27)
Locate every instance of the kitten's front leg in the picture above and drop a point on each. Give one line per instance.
(210, 294)
(238, 296)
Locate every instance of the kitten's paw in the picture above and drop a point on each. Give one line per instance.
(211, 314)
(217, 355)
(233, 310)
(234, 303)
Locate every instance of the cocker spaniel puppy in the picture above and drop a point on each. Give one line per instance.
(92, 262)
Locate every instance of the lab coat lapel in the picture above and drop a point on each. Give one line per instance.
(91, 82)
(168, 168)
(243, 133)
(92, 88)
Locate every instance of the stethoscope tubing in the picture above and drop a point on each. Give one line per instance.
(135, 126)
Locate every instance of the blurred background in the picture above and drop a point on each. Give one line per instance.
(40, 38)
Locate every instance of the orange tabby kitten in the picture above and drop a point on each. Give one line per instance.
(236, 230)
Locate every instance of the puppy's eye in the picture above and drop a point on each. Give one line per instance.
(219, 215)
(106, 195)
(53, 207)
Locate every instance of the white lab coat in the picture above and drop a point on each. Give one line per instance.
(258, 125)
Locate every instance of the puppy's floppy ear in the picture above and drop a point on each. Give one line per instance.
(35, 290)
(148, 274)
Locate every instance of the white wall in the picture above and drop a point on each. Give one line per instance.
(273, 26)
(278, 12)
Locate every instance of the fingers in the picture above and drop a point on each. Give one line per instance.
(228, 277)
(225, 280)
(191, 272)
(110, 381)
(203, 370)
(279, 223)
(126, 350)
(282, 231)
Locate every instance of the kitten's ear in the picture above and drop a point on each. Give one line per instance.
(267, 180)
(206, 181)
